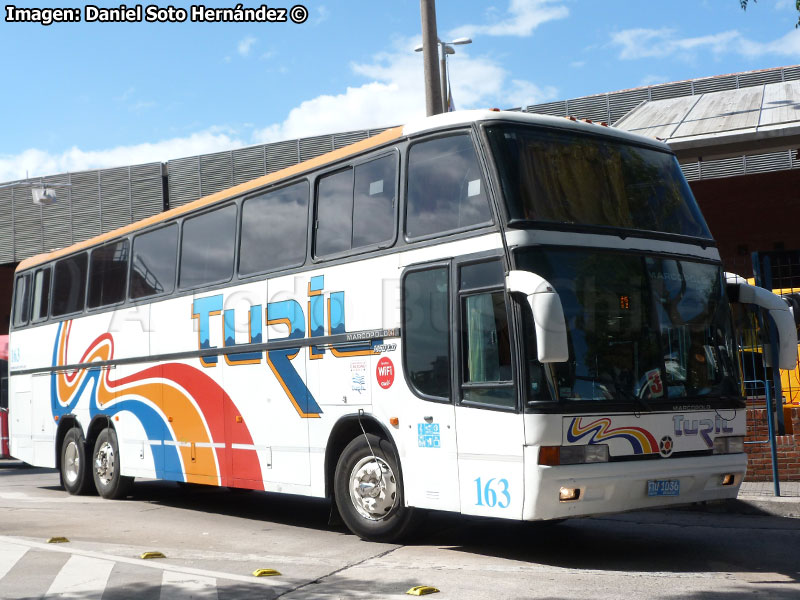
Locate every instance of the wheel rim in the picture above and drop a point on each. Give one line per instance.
(72, 462)
(373, 488)
(104, 463)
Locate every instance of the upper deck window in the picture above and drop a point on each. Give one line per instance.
(446, 191)
(274, 230)
(207, 247)
(578, 179)
(155, 255)
(69, 289)
(22, 300)
(108, 272)
(355, 206)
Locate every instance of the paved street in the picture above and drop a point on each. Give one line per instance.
(214, 539)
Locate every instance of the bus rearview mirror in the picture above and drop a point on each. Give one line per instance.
(548, 314)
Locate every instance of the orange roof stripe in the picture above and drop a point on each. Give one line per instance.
(237, 190)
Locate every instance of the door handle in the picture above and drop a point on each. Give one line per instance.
(428, 419)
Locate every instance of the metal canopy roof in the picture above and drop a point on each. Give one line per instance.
(762, 118)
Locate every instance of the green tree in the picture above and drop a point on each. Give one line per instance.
(743, 4)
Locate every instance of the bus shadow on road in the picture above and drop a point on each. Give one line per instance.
(295, 511)
(670, 542)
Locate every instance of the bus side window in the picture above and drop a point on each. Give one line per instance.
(108, 270)
(41, 295)
(153, 262)
(274, 230)
(22, 300)
(356, 206)
(207, 247)
(426, 326)
(334, 213)
(374, 201)
(69, 285)
(446, 191)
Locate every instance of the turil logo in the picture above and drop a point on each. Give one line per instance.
(665, 446)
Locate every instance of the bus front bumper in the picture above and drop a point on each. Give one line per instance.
(622, 486)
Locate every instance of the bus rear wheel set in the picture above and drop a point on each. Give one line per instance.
(80, 470)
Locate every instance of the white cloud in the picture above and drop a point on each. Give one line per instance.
(244, 46)
(788, 45)
(523, 16)
(652, 80)
(394, 95)
(661, 43)
(38, 162)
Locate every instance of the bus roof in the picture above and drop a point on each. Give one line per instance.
(424, 125)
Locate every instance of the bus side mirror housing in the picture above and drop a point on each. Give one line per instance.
(743, 293)
(548, 314)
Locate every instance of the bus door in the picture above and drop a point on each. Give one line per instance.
(427, 432)
(489, 425)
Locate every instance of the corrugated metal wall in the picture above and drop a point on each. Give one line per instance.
(99, 201)
(611, 107)
(197, 176)
(95, 202)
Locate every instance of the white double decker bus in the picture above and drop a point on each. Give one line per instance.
(485, 312)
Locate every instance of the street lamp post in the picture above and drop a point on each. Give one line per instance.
(446, 48)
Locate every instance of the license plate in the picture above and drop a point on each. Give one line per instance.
(663, 487)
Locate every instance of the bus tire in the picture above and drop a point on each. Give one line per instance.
(372, 509)
(106, 467)
(75, 470)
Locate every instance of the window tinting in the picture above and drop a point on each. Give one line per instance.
(578, 179)
(274, 230)
(41, 294)
(446, 190)
(22, 300)
(108, 272)
(373, 201)
(426, 329)
(207, 247)
(69, 286)
(155, 256)
(334, 213)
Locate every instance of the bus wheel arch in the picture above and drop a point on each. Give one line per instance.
(368, 486)
(345, 431)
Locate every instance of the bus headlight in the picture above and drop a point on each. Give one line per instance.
(573, 455)
(733, 444)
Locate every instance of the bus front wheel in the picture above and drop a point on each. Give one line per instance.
(369, 490)
(106, 468)
(75, 474)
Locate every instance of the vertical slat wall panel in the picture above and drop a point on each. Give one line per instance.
(281, 155)
(6, 226)
(248, 164)
(27, 223)
(85, 205)
(216, 172)
(315, 146)
(340, 140)
(184, 180)
(147, 190)
(115, 200)
(715, 84)
(57, 218)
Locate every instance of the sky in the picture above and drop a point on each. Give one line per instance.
(78, 96)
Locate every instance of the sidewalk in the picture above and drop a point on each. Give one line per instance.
(759, 497)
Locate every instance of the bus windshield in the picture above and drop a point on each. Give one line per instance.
(551, 176)
(641, 329)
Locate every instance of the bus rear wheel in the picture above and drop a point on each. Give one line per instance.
(109, 482)
(75, 473)
(369, 490)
